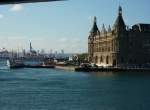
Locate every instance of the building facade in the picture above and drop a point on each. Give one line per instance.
(119, 45)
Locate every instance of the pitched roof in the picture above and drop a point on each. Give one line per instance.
(119, 23)
(94, 28)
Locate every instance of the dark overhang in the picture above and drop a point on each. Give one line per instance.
(4, 2)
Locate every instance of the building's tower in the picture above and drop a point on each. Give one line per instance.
(93, 33)
(121, 40)
(119, 25)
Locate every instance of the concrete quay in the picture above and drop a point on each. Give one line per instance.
(80, 69)
(67, 68)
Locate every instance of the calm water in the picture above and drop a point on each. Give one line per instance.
(48, 89)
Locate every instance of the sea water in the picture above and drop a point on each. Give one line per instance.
(52, 89)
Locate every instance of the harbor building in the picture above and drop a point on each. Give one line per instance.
(119, 45)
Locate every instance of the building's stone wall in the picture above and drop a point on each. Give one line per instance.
(119, 46)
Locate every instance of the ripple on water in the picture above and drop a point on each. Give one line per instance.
(48, 89)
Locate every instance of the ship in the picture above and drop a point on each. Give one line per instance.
(19, 63)
(15, 63)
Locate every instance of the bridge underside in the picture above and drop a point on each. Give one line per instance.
(4, 2)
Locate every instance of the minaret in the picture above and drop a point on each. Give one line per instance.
(119, 23)
(31, 47)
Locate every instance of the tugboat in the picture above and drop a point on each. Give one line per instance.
(15, 63)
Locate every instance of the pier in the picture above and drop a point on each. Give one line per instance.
(79, 69)
(99, 69)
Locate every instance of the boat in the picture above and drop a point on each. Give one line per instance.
(18, 63)
(39, 66)
(15, 63)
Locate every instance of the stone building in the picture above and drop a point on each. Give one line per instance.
(119, 45)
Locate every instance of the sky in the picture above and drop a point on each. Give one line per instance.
(64, 24)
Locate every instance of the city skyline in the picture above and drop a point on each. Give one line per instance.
(63, 25)
(30, 49)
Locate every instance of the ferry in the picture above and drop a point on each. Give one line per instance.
(18, 63)
(15, 63)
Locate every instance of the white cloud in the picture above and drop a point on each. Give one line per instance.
(1, 16)
(17, 8)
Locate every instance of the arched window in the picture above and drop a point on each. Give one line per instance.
(101, 59)
(107, 60)
(90, 59)
(114, 62)
(96, 59)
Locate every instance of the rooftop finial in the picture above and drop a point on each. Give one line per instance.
(120, 10)
(95, 20)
